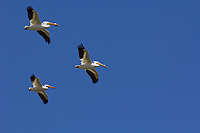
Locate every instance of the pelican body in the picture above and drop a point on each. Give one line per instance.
(91, 65)
(36, 25)
(39, 88)
(87, 64)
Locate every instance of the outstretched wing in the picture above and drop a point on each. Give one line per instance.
(35, 81)
(43, 96)
(33, 16)
(83, 54)
(93, 75)
(45, 35)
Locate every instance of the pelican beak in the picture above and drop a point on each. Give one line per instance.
(53, 24)
(51, 87)
(102, 65)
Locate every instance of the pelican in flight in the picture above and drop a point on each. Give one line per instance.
(36, 25)
(39, 88)
(87, 64)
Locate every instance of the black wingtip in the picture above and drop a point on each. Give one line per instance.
(46, 38)
(48, 41)
(80, 46)
(32, 76)
(29, 8)
(92, 76)
(45, 102)
(95, 81)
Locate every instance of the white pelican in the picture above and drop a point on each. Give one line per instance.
(87, 64)
(39, 88)
(35, 24)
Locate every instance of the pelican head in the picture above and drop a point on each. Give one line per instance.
(49, 23)
(48, 86)
(97, 64)
(26, 27)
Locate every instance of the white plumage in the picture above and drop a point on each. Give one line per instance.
(39, 88)
(36, 25)
(87, 64)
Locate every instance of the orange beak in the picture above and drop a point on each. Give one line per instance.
(51, 86)
(102, 65)
(53, 24)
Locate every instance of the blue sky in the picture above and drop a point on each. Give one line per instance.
(151, 48)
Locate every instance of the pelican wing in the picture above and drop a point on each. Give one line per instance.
(35, 81)
(93, 75)
(33, 16)
(43, 96)
(83, 54)
(45, 35)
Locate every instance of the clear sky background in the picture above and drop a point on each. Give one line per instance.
(151, 48)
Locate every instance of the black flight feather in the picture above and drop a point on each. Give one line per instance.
(92, 76)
